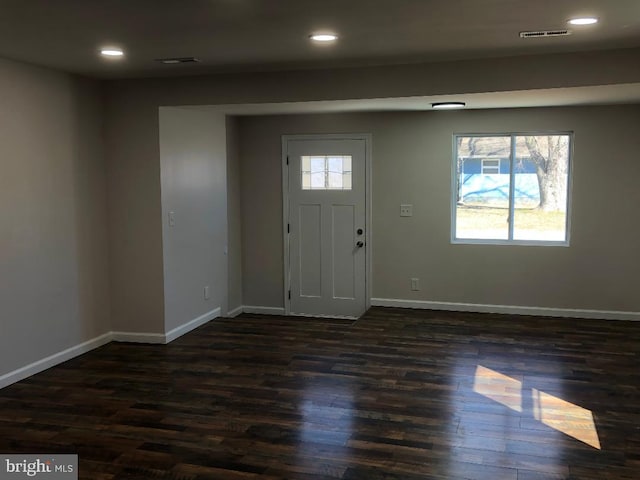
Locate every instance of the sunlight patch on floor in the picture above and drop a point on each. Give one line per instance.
(563, 416)
(498, 387)
(566, 417)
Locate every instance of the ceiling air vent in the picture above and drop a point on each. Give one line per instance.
(173, 61)
(545, 33)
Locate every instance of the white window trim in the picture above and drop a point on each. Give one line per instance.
(532, 243)
(483, 166)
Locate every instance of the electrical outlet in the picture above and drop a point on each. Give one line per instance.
(207, 293)
(406, 210)
(415, 284)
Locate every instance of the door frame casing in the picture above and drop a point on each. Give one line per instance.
(367, 137)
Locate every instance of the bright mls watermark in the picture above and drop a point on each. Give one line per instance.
(51, 467)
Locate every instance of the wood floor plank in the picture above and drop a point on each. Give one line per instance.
(397, 394)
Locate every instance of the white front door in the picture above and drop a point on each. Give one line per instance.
(326, 225)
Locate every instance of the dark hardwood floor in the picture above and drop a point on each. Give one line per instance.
(398, 394)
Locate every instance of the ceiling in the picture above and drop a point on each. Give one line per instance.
(256, 35)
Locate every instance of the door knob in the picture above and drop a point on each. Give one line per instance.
(360, 244)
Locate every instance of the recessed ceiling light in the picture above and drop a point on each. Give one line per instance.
(323, 37)
(447, 105)
(583, 21)
(112, 52)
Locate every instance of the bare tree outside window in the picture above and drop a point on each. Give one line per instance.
(550, 154)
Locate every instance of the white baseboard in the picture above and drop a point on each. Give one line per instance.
(235, 312)
(334, 317)
(159, 338)
(171, 335)
(263, 310)
(509, 309)
(133, 337)
(52, 360)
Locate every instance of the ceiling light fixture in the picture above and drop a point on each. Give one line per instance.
(583, 21)
(323, 37)
(112, 52)
(176, 60)
(448, 105)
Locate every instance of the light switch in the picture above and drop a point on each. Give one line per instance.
(406, 210)
(172, 219)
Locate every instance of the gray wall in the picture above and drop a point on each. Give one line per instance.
(412, 164)
(135, 228)
(194, 188)
(234, 216)
(135, 217)
(53, 211)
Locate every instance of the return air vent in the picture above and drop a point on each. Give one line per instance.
(173, 61)
(545, 33)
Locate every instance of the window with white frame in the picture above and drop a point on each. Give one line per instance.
(511, 188)
(490, 167)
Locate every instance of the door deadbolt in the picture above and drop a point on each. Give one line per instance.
(360, 231)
